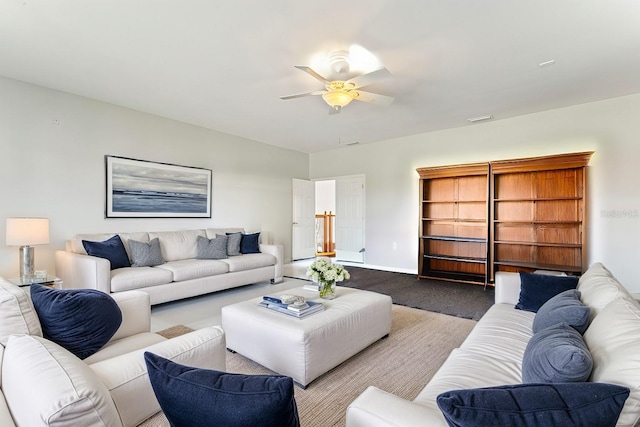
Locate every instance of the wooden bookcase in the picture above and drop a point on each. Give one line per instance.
(538, 214)
(453, 222)
(508, 215)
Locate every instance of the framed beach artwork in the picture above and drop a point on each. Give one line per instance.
(144, 189)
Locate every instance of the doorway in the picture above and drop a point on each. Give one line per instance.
(343, 201)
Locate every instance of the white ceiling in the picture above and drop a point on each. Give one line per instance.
(223, 64)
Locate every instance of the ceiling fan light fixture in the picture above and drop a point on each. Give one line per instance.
(337, 99)
(339, 62)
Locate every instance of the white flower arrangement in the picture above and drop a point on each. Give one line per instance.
(324, 272)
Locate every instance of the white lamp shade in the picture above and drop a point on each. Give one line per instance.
(27, 231)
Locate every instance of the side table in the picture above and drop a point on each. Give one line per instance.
(50, 281)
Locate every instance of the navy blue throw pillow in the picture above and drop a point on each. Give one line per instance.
(111, 249)
(80, 320)
(249, 243)
(561, 404)
(191, 397)
(536, 289)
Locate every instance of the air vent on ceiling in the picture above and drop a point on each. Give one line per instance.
(480, 118)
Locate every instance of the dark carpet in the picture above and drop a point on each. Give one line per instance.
(465, 300)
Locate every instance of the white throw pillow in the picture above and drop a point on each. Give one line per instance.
(613, 338)
(598, 288)
(45, 385)
(17, 315)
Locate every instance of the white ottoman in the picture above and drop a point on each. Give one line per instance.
(306, 348)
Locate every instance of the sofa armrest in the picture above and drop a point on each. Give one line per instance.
(136, 313)
(507, 287)
(377, 408)
(83, 271)
(278, 252)
(126, 377)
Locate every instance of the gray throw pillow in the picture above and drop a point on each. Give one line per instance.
(145, 254)
(212, 248)
(233, 243)
(565, 307)
(556, 354)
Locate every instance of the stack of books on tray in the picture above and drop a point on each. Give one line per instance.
(299, 308)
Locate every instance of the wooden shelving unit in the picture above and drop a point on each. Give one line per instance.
(508, 215)
(453, 223)
(538, 214)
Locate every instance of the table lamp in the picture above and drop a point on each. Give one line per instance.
(25, 232)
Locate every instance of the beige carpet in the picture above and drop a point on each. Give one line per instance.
(402, 364)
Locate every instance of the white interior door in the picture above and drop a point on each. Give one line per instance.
(304, 220)
(350, 219)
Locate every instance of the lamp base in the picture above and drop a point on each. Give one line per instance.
(26, 262)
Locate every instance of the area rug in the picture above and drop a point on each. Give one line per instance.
(401, 364)
(466, 300)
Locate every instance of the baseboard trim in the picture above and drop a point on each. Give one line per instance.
(380, 267)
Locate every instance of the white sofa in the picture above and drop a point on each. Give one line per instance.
(181, 276)
(43, 384)
(492, 354)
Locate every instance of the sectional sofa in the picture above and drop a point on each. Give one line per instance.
(179, 275)
(492, 355)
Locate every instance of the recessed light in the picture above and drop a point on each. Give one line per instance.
(480, 118)
(547, 63)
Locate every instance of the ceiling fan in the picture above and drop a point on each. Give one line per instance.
(339, 93)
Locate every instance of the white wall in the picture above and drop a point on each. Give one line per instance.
(325, 196)
(56, 169)
(611, 128)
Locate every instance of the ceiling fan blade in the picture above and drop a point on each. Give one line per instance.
(301, 95)
(367, 79)
(373, 98)
(312, 73)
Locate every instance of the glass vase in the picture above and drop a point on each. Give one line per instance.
(327, 290)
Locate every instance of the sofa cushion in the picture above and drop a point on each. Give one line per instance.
(188, 269)
(45, 385)
(249, 262)
(145, 254)
(212, 248)
(465, 368)
(17, 314)
(598, 288)
(565, 307)
(178, 245)
(192, 396)
(80, 320)
(613, 337)
(233, 244)
(491, 338)
(556, 354)
(111, 249)
(536, 289)
(125, 279)
(564, 404)
(250, 243)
